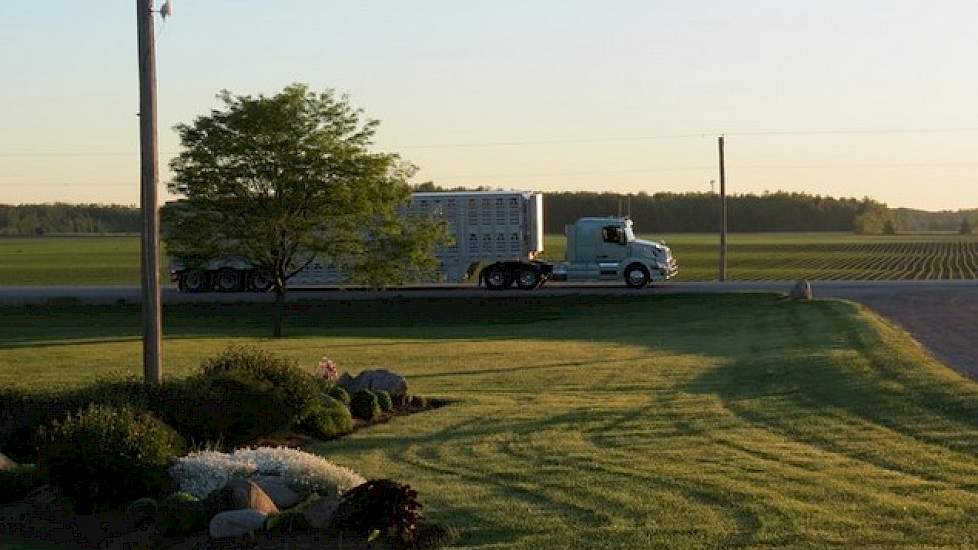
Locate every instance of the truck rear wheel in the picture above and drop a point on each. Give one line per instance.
(496, 278)
(193, 280)
(636, 276)
(228, 280)
(259, 282)
(527, 279)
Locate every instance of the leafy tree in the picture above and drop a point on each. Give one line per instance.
(888, 227)
(281, 180)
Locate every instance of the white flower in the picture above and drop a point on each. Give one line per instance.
(204, 472)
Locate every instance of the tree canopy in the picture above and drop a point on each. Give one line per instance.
(281, 180)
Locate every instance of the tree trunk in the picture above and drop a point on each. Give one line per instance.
(279, 312)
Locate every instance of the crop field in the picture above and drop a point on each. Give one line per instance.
(114, 260)
(585, 422)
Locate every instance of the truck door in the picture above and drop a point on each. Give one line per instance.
(610, 252)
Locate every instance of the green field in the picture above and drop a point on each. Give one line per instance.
(671, 421)
(761, 256)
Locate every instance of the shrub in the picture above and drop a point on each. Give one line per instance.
(340, 394)
(16, 482)
(384, 400)
(381, 504)
(105, 456)
(287, 522)
(301, 389)
(181, 513)
(364, 405)
(204, 472)
(232, 407)
(419, 401)
(329, 420)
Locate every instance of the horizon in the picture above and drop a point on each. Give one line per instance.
(830, 99)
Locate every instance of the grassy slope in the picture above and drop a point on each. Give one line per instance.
(673, 421)
(784, 256)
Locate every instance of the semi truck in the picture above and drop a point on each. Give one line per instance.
(497, 238)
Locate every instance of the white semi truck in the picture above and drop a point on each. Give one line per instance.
(496, 234)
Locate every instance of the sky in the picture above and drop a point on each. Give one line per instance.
(843, 98)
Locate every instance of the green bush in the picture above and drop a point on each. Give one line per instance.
(301, 389)
(230, 407)
(340, 394)
(364, 405)
(287, 522)
(182, 513)
(329, 420)
(15, 483)
(105, 457)
(385, 401)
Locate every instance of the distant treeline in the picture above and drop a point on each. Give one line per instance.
(658, 213)
(27, 220)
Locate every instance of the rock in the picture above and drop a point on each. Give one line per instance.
(243, 494)
(236, 523)
(6, 463)
(374, 380)
(43, 496)
(801, 291)
(320, 513)
(278, 490)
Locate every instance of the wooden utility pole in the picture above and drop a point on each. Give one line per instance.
(149, 177)
(723, 214)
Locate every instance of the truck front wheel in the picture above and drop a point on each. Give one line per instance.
(636, 276)
(496, 278)
(193, 280)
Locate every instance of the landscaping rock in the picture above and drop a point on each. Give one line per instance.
(374, 380)
(236, 523)
(243, 494)
(801, 291)
(6, 463)
(278, 490)
(320, 513)
(43, 496)
(142, 511)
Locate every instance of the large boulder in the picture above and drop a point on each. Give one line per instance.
(320, 513)
(278, 490)
(801, 291)
(6, 463)
(244, 494)
(236, 523)
(375, 380)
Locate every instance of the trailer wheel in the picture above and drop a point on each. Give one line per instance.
(259, 282)
(194, 280)
(527, 279)
(228, 280)
(636, 276)
(496, 278)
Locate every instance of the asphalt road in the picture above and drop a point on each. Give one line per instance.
(942, 315)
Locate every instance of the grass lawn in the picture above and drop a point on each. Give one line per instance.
(679, 421)
(114, 260)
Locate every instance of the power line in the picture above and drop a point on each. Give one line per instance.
(566, 141)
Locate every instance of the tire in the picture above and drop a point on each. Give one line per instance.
(228, 280)
(496, 278)
(527, 279)
(194, 281)
(259, 282)
(636, 276)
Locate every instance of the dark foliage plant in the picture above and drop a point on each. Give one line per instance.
(384, 400)
(382, 504)
(339, 393)
(16, 482)
(105, 457)
(364, 405)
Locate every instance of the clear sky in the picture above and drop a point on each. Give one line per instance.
(593, 91)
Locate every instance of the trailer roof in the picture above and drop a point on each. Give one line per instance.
(475, 193)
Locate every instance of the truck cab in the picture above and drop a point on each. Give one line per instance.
(606, 249)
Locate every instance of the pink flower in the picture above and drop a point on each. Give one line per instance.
(327, 369)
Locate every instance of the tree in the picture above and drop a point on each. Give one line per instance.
(281, 180)
(888, 227)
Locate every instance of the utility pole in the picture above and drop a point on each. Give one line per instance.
(723, 214)
(149, 176)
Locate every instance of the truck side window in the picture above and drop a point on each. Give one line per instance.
(613, 234)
